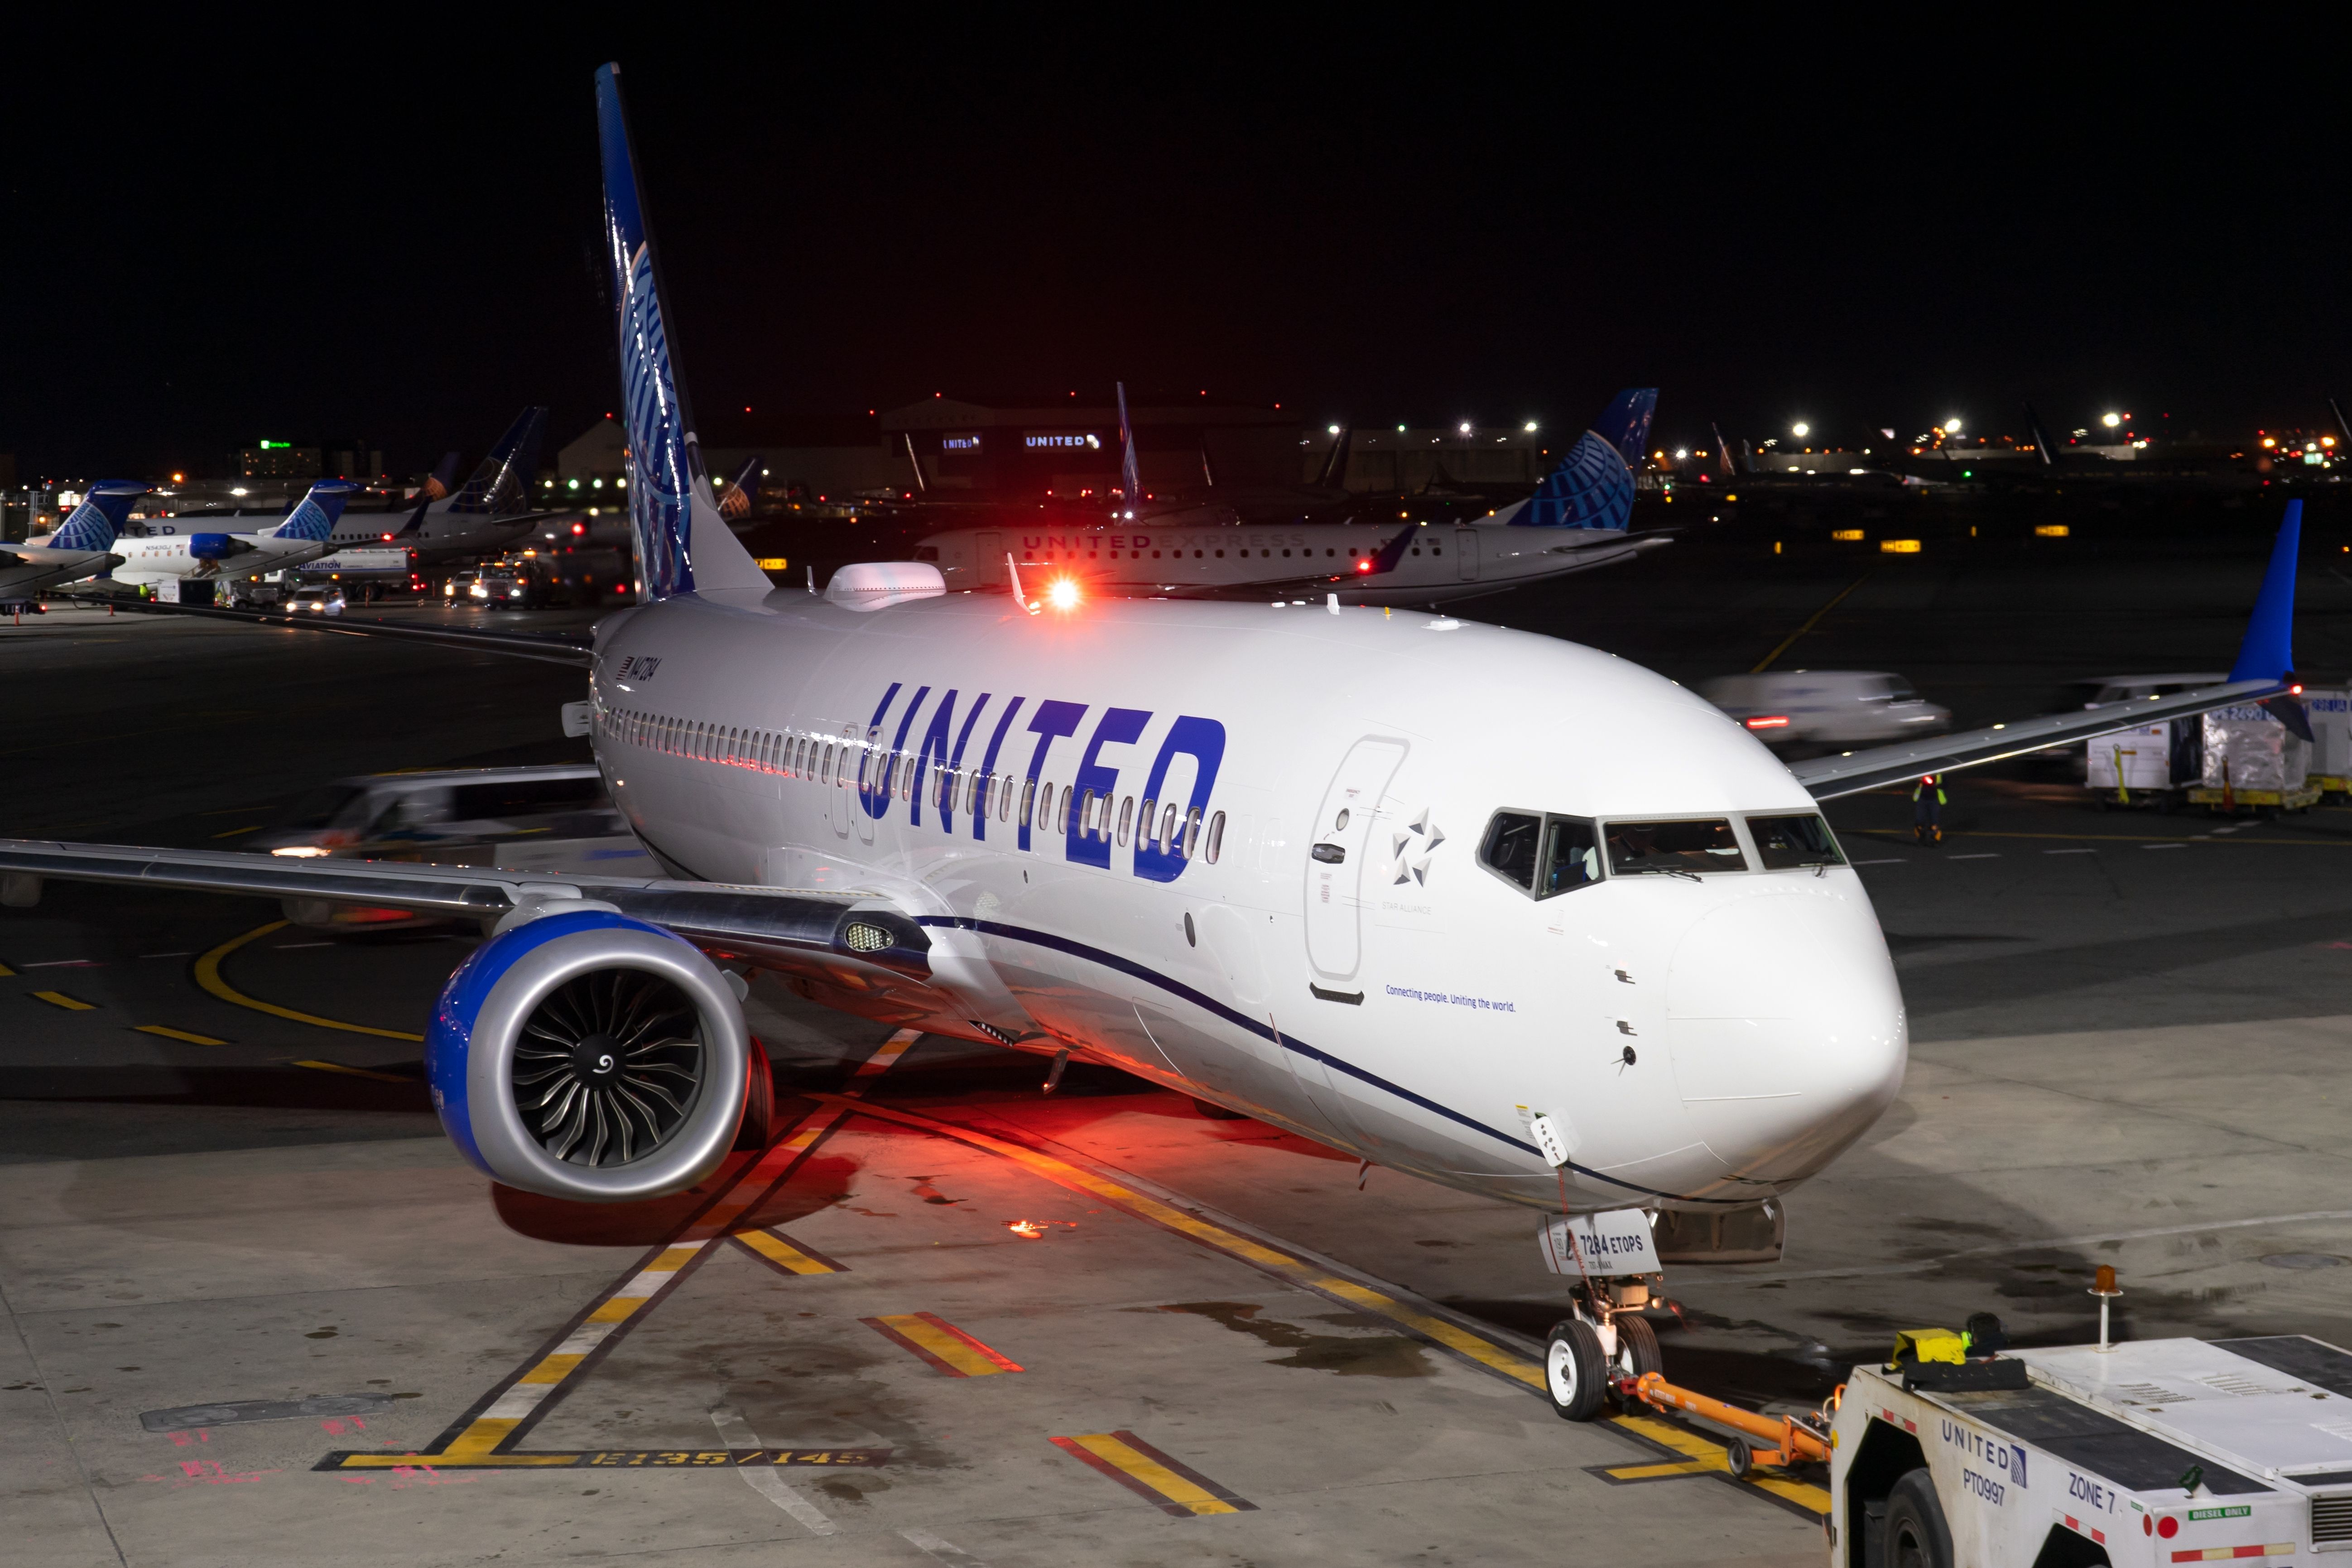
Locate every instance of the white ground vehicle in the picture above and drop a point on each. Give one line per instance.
(545, 820)
(1826, 706)
(2159, 1452)
(318, 599)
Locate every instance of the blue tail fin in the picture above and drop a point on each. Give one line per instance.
(501, 483)
(1129, 472)
(98, 520)
(742, 492)
(683, 545)
(316, 517)
(1594, 487)
(2268, 651)
(437, 483)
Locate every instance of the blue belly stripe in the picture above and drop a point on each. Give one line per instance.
(1267, 1032)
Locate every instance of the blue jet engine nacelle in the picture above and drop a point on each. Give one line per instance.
(591, 1057)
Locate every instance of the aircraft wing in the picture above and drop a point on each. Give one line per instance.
(2264, 673)
(552, 648)
(826, 934)
(1851, 773)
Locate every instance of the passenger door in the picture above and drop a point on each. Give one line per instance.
(1339, 842)
(1465, 553)
(991, 556)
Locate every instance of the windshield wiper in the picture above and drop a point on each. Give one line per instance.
(1675, 872)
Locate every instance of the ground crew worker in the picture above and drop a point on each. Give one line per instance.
(1927, 809)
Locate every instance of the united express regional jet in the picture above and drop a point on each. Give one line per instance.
(1494, 909)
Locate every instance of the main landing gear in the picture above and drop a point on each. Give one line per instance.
(1606, 1340)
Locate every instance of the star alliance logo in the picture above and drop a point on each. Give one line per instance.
(1422, 837)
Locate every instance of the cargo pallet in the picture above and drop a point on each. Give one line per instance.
(2263, 799)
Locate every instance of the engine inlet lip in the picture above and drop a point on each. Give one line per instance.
(513, 1153)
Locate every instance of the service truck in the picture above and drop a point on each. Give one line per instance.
(2154, 1452)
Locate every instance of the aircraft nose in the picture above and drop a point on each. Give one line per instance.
(1786, 1028)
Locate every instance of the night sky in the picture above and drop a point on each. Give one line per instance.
(391, 232)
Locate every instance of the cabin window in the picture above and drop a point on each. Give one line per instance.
(1125, 818)
(1286, 556)
(1191, 833)
(1572, 856)
(1004, 804)
(1416, 550)
(1437, 550)
(1167, 828)
(1335, 553)
(1216, 835)
(1062, 813)
(1028, 800)
(1143, 821)
(1788, 843)
(1687, 846)
(1196, 554)
(1509, 849)
(1087, 815)
(1220, 554)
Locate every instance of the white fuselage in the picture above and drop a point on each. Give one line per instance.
(1443, 561)
(157, 556)
(1701, 1040)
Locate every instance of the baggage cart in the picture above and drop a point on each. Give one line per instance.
(2253, 762)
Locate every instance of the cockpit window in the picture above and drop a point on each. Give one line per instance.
(1571, 856)
(1785, 843)
(1511, 845)
(1636, 847)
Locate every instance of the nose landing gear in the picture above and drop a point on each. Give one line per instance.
(1608, 1341)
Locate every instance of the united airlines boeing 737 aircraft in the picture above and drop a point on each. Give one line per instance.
(1494, 909)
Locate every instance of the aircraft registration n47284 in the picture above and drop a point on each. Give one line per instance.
(1502, 912)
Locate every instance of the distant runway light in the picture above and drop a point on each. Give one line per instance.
(1801, 428)
(1466, 427)
(1335, 429)
(2111, 420)
(1952, 425)
(1530, 426)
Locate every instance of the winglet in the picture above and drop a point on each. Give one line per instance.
(2268, 651)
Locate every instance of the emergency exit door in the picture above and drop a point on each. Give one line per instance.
(1339, 841)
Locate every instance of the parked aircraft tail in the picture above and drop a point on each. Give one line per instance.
(742, 492)
(1334, 474)
(437, 483)
(2341, 422)
(1130, 473)
(315, 517)
(2042, 442)
(98, 520)
(1722, 450)
(683, 545)
(1593, 486)
(501, 482)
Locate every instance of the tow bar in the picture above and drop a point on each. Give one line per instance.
(1777, 1441)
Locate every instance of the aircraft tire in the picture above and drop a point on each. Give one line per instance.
(1575, 1374)
(1637, 1347)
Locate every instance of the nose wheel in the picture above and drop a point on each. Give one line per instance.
(1575, 1370)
